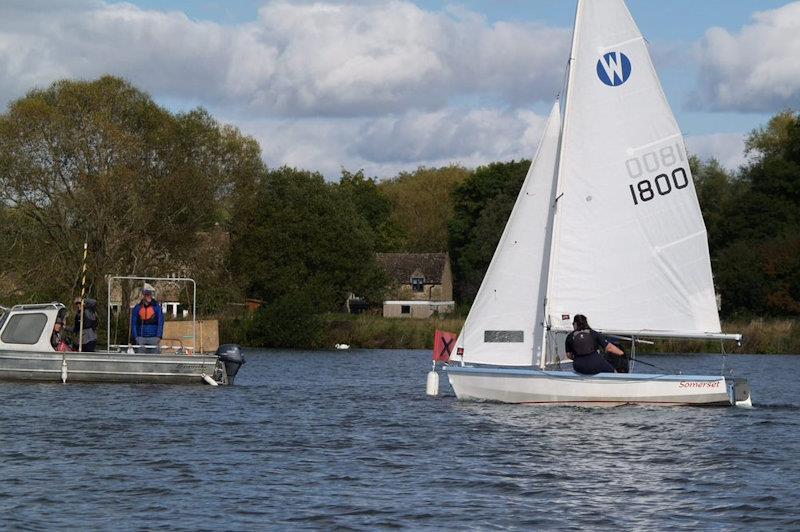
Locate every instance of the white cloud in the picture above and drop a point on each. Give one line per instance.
(384, 86)
(754, 69)
(297, 59)
(727, 148)
(384, 146)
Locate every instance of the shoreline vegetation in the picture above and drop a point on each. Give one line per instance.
(760, 336)
(297, 244)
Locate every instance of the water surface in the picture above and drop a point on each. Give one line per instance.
(349, 439)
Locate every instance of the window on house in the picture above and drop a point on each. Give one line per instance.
(24, 328)
(418, 284)
(405, 309)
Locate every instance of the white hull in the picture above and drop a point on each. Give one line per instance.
(531, 386)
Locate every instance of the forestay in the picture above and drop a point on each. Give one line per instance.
(505, 323)
(630, 248)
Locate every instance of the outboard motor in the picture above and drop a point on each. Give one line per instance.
(230, 355)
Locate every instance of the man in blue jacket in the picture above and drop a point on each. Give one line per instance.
(147, 322)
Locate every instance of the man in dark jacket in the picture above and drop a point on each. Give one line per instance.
(147, 322)
(89, 323)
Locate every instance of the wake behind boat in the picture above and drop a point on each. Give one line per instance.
(27, 354)
(607, 224)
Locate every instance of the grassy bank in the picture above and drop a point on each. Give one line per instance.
(760, 336)
(377, 332)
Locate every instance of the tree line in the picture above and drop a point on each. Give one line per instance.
(100, 162)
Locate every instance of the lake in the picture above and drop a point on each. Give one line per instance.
(324, 440)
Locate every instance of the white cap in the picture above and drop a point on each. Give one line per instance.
(148, 288)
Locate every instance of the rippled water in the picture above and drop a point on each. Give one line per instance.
(323, 440)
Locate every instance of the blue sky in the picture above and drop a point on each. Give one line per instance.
(391, 85)
(676, 21)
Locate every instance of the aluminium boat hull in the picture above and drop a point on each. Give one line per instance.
(532, 386)
(110, 367)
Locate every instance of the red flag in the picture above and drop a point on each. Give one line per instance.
(443, 345)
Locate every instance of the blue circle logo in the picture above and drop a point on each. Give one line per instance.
(614, 68)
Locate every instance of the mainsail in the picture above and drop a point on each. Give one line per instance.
(607, 223)
(629, 246)
(505, 323)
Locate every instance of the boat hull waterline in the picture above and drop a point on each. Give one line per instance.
(532, 386)
(110, 367)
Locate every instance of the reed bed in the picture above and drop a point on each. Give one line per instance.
(760, 336)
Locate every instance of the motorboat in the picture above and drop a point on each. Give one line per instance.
(28, 353)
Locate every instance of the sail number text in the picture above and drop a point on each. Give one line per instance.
(663, 183)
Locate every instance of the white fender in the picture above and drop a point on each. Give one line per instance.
(432, 387)
(209, 380)
(747, 403)
(64, 369)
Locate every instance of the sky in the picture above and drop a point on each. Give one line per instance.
(388, 86)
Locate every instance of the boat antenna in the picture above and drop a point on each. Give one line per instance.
(83, 295)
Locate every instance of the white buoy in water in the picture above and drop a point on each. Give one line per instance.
(432, 387)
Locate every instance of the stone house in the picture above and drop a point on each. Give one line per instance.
(421, 284)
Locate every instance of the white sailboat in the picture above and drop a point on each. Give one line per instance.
(607, 224)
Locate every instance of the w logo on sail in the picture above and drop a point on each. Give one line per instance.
(614, 68)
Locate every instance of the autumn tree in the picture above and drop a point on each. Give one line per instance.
(100, 160)
(422, 206)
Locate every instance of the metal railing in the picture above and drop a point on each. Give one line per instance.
(179, 350)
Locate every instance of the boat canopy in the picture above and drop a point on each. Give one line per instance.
(29, 327)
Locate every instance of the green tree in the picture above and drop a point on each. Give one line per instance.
(100, 160)
(305, 236)
(371, 204)
(482, 203)
(718, 192)
(291, 320)
(757, 266)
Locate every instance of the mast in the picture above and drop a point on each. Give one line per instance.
(557, 177)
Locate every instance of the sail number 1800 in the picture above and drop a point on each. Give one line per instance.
(657, 161)
(662, 184)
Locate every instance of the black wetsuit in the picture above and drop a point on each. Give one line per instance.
(587, 347)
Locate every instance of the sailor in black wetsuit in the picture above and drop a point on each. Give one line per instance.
(584, 347)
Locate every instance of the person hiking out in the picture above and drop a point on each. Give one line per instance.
(585, 347)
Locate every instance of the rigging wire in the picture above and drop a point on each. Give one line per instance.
(639, 361)
(722, 348)
(552, 341)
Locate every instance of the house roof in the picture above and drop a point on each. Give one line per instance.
(402, 266)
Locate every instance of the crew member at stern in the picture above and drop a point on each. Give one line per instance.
(584, 346)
